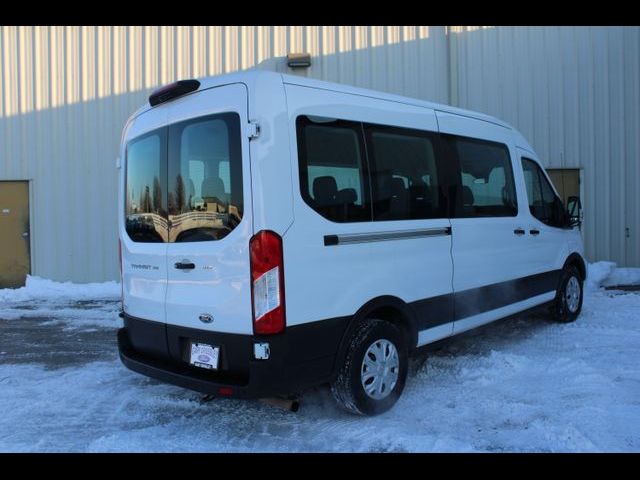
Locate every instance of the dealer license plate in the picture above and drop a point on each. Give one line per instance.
(204, 356)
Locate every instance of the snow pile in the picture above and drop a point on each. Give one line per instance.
(597, 273)
(43, 289)
(623, 276)
(605, 274)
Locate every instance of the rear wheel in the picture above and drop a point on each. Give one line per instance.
(374, 371)
(568, 302)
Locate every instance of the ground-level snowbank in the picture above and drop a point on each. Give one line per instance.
(42, 289)
(606, 274)
(623, 276)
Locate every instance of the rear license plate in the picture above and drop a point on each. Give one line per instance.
(204, 356)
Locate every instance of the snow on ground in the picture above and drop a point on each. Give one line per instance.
(597, 273)
(70, 305)
(623, 276)
(524, 384)
(42, 289)
(607, 274)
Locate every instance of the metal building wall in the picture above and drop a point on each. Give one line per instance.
(574, 92)
(65, 93)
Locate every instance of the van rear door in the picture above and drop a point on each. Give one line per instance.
(143, 230)
(209, 212)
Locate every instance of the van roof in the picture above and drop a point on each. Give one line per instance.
(251, 76)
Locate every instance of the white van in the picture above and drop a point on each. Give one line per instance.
(279, 232)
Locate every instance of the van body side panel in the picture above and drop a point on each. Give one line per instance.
(218, 285)
(144, 265)
(271, 177)
(334, 268)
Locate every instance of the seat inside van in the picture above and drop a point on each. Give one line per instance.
(338, 204)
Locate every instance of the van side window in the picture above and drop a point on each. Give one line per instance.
(486, 187)
(146, 195)
(205, 198)
(332, 168)
(404, 176)
(544, 204)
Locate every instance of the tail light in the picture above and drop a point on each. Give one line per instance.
(267, 283)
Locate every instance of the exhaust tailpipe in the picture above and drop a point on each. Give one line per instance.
(290, 405)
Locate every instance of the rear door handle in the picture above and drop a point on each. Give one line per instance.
(185, 265)
(519, 231)
(534, 231)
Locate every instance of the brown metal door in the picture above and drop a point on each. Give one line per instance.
(14, 234)
(566, 181)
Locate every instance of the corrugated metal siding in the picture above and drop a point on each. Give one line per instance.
(65, 93)
(574, 93)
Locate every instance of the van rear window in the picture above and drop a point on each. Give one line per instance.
(145, 201)
(205, 178)
(184, 181)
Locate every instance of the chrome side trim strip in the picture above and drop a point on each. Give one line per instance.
(351, 238)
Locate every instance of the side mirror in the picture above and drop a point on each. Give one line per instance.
(574, 208)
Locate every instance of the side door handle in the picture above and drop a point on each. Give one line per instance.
(184, 265)
(534, 231)
(519, 231)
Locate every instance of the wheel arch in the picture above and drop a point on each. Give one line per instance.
(576, 260)
(386, 307)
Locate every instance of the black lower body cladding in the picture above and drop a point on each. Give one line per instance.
(301, 357)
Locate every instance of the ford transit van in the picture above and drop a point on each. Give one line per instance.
(278, 233)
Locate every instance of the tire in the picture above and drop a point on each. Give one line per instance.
(568, 303)
(372, 336)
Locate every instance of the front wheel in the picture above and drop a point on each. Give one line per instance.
(568, 302)
(374, 371)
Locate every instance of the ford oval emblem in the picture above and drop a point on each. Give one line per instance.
(205, 318)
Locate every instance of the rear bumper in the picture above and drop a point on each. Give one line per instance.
(296, 362)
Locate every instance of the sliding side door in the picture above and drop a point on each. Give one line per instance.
(490, 247)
